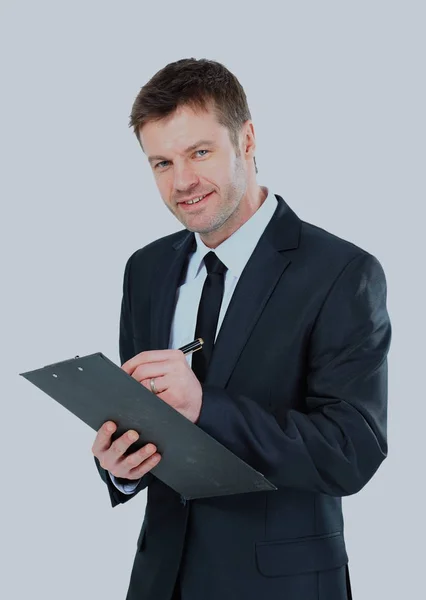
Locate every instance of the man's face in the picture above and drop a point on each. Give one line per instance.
(211, 168)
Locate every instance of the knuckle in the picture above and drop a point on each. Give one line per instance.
(112, 455)
(146, 465)
(139, 372)
(116, 449)
(141, 471)
(132, 460)
(116, 453)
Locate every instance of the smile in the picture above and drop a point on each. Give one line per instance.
(201, 199)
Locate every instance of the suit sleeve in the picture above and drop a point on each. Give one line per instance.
(127, 351)
(338, 442)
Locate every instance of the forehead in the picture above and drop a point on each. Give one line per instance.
(181, 129)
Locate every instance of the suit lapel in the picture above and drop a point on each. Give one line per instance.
(164, 291)
(257, 282)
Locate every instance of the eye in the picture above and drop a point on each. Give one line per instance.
(160, 163)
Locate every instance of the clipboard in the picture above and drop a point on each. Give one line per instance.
(193, 463)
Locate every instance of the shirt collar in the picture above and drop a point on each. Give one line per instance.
(235, 251)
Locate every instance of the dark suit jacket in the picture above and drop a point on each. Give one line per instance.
(297, 387)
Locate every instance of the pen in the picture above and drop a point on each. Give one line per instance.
(192, 346)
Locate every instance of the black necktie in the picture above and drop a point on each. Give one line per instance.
(208, 313)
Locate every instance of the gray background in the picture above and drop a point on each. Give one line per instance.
(337, 95)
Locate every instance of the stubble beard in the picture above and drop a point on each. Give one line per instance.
(233, 193)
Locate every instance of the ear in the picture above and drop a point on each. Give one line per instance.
(248, 140)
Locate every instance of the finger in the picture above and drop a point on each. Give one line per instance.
(103, 437)
(135, 459)
(160, 384)
(150, 356)
(145, 467)
(149, 370)
(121, 444)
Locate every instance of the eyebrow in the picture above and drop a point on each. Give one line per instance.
(189, 149)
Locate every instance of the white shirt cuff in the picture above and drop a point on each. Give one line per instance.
(126, 488)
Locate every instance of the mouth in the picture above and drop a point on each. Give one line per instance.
(196, 203)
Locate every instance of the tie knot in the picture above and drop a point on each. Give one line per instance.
(214, 264)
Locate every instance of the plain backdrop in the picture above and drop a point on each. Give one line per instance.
(337, 96)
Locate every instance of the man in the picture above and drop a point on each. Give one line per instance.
(296, 385)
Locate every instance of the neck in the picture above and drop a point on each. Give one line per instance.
(249, 205)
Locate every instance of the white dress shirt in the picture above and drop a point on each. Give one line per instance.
(234, 252)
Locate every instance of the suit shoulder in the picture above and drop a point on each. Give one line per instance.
(327, 252)
(157, 248)
(322, 239)
(318, 240)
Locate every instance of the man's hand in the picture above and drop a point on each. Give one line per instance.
(110, 455)
(174, 379)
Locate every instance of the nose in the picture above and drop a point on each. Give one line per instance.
(185, 178)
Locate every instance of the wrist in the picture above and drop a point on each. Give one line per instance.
(194, 414)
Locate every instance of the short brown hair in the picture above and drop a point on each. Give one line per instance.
(198, 83)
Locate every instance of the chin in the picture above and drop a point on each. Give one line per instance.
(207, 228)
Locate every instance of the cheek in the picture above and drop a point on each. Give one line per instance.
(213, 176)
(165, 187)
